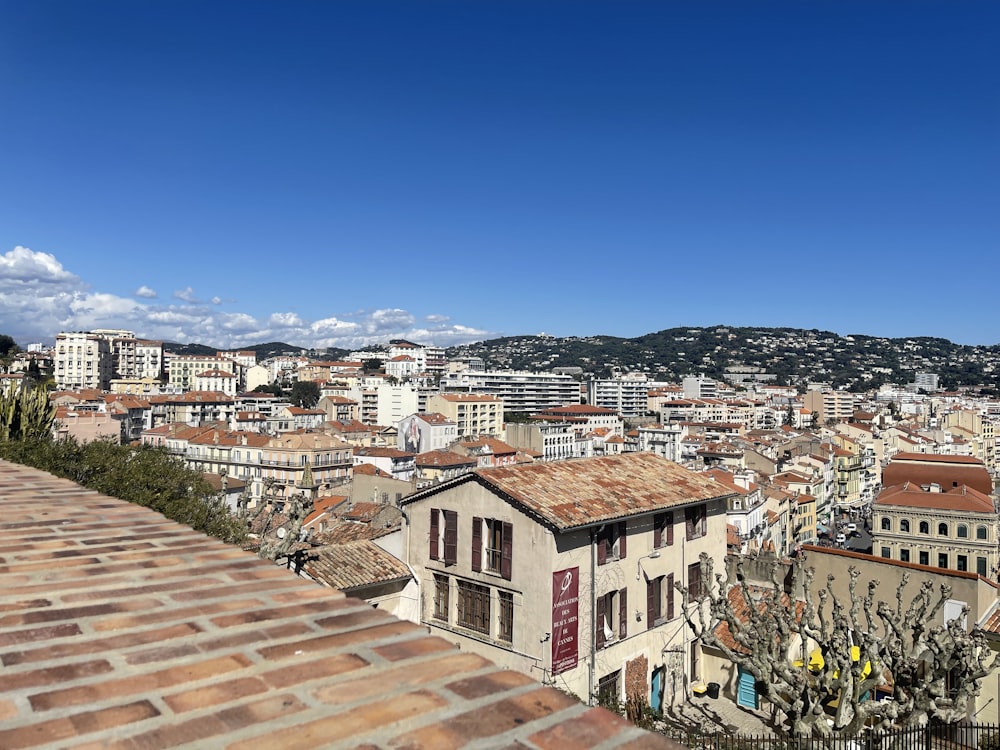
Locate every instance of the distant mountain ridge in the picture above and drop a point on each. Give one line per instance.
(794, 355)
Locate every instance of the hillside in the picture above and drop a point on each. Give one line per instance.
(794, 355)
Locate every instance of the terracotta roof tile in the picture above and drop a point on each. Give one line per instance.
(123, 629)
(568, 494)
(354, 565)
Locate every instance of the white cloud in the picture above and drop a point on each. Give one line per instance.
(27, 266)
(39, 298)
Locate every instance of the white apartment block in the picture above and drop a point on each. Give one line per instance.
(82, 360)
(830, 404)
(700, 387)
(522, 392)
(626, 395)
(183, 369)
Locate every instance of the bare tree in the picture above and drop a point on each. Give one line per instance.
(276, 521)
(818, 661)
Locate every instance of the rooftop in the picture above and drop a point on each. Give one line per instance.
(121, 629)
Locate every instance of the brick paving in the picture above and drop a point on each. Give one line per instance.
(122, 630)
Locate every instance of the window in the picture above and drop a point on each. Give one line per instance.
(609, 689)
(659, 600)
(962, 531)
(611, 543)
(981, 566)
(904, 555)
(696, 586)
(442, 588)
(612, 604)
(942, 529)
(925, 558)
(942, 559)
(961, 562)
(663, 529)
(444, 536)
(925, 528)
(492, 546)
(695, 521)
(981, 532)
(886, 524)
(904, 525)
(505, 624)
(886, 552)
(474, 606)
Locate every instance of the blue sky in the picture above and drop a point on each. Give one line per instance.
(339, 173)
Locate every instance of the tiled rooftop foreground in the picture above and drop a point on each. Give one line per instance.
(121, 629)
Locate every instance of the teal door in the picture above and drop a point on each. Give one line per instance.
(746, 690)
(656, 690)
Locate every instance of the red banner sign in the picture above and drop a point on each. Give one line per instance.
(565, 622)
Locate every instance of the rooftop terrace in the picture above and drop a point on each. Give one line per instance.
(121, 629)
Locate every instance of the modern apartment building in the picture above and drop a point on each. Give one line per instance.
(473, 414)
(521, 392)
(627, 395)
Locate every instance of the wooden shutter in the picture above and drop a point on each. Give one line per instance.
(703, 518)
(435, 532)
(670, 596)
(689, 523)
(599, 621)
(694, 580)
(658, 522)
(450, 537)
(621, 540)
(507, 551)
(623, 613)
(602, 548)
(477, 544)
(651, 596)
(670, 527)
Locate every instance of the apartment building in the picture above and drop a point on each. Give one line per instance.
(216, 380)
(545, 441)
(183, 369)
(473, 414)
(627, 395)
(193, 408)
(521, 392)
(82, 360)
(420, 433)
(584, 418)
(566, 570)
(830, 405)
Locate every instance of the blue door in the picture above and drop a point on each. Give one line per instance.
(746, 690)
(656, 690)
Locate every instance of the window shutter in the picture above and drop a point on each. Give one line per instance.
(602, 548)
(477, 544)
(450, 537)
(703, 521)
(621, 540)
(623, 613)
(670, 596)
(599, 621)
(670, 528)
(658, 529)
(689, 523)
(694, 580)
(650, 603)
(434, 534)
(507, 551)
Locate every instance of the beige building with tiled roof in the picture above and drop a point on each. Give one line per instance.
(566, 569)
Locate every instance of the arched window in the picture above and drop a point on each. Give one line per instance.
(981, 532)
(962, 531)
(904, 525)
(942, 529)
(925, 528)
(886, 524)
